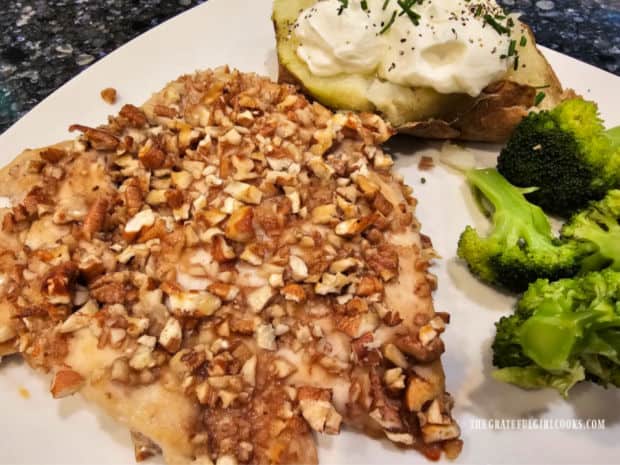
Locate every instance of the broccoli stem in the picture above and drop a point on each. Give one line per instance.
(515, 219)
(604, 232)
(608, 246)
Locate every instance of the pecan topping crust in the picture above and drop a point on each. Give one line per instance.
(245, 251)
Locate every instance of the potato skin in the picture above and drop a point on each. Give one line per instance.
(490, 117)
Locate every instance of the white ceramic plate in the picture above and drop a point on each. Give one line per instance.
(42, 431)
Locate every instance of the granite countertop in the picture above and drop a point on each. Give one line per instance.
(47, 42)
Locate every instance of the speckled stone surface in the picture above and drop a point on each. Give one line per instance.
(588, 30)
(44, 43)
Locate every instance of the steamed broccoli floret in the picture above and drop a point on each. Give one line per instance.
(599, 226)
(506, 349)
(566, 153)
(520, 248)
(533, 377)
(562, 333)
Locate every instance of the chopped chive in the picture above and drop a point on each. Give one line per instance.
(389, 23)
(491, 21)
(406, 6)
(540, 96)
(512, 48)
(523, 42)
(385, 4)
(364, 5)
(516, 63)
(343, 4)
(478, 11)
(510, 22)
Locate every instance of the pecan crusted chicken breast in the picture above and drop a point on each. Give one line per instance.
(224, 270)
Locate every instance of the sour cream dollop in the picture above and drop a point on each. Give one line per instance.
(452, 48)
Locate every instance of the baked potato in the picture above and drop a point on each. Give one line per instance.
(422, 111)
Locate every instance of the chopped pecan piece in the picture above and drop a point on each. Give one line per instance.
(364, 354)
(134, 114)
(133, 196)
(195, 304)
(224, 291)
(162, 110)
(152, 157)
(58, 283)
(109, 289)
(357, 325)
(175, 198)
(354, 226)
(384, 260)
(356, 306)
(221, 250)
(419, 392)
(293, 292)
(422, 353)
(100, 139)
(244, 326)
(317, 409)
(239, 226)
(368, 188)
(369, 285)
(91, 267)
(259, 298)
(109, 95)
(434, 433)
(382, 204)
(65, 383)
(52, 154)
(37, 197)
(140, 221)
(171, 336)
(95, 218)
